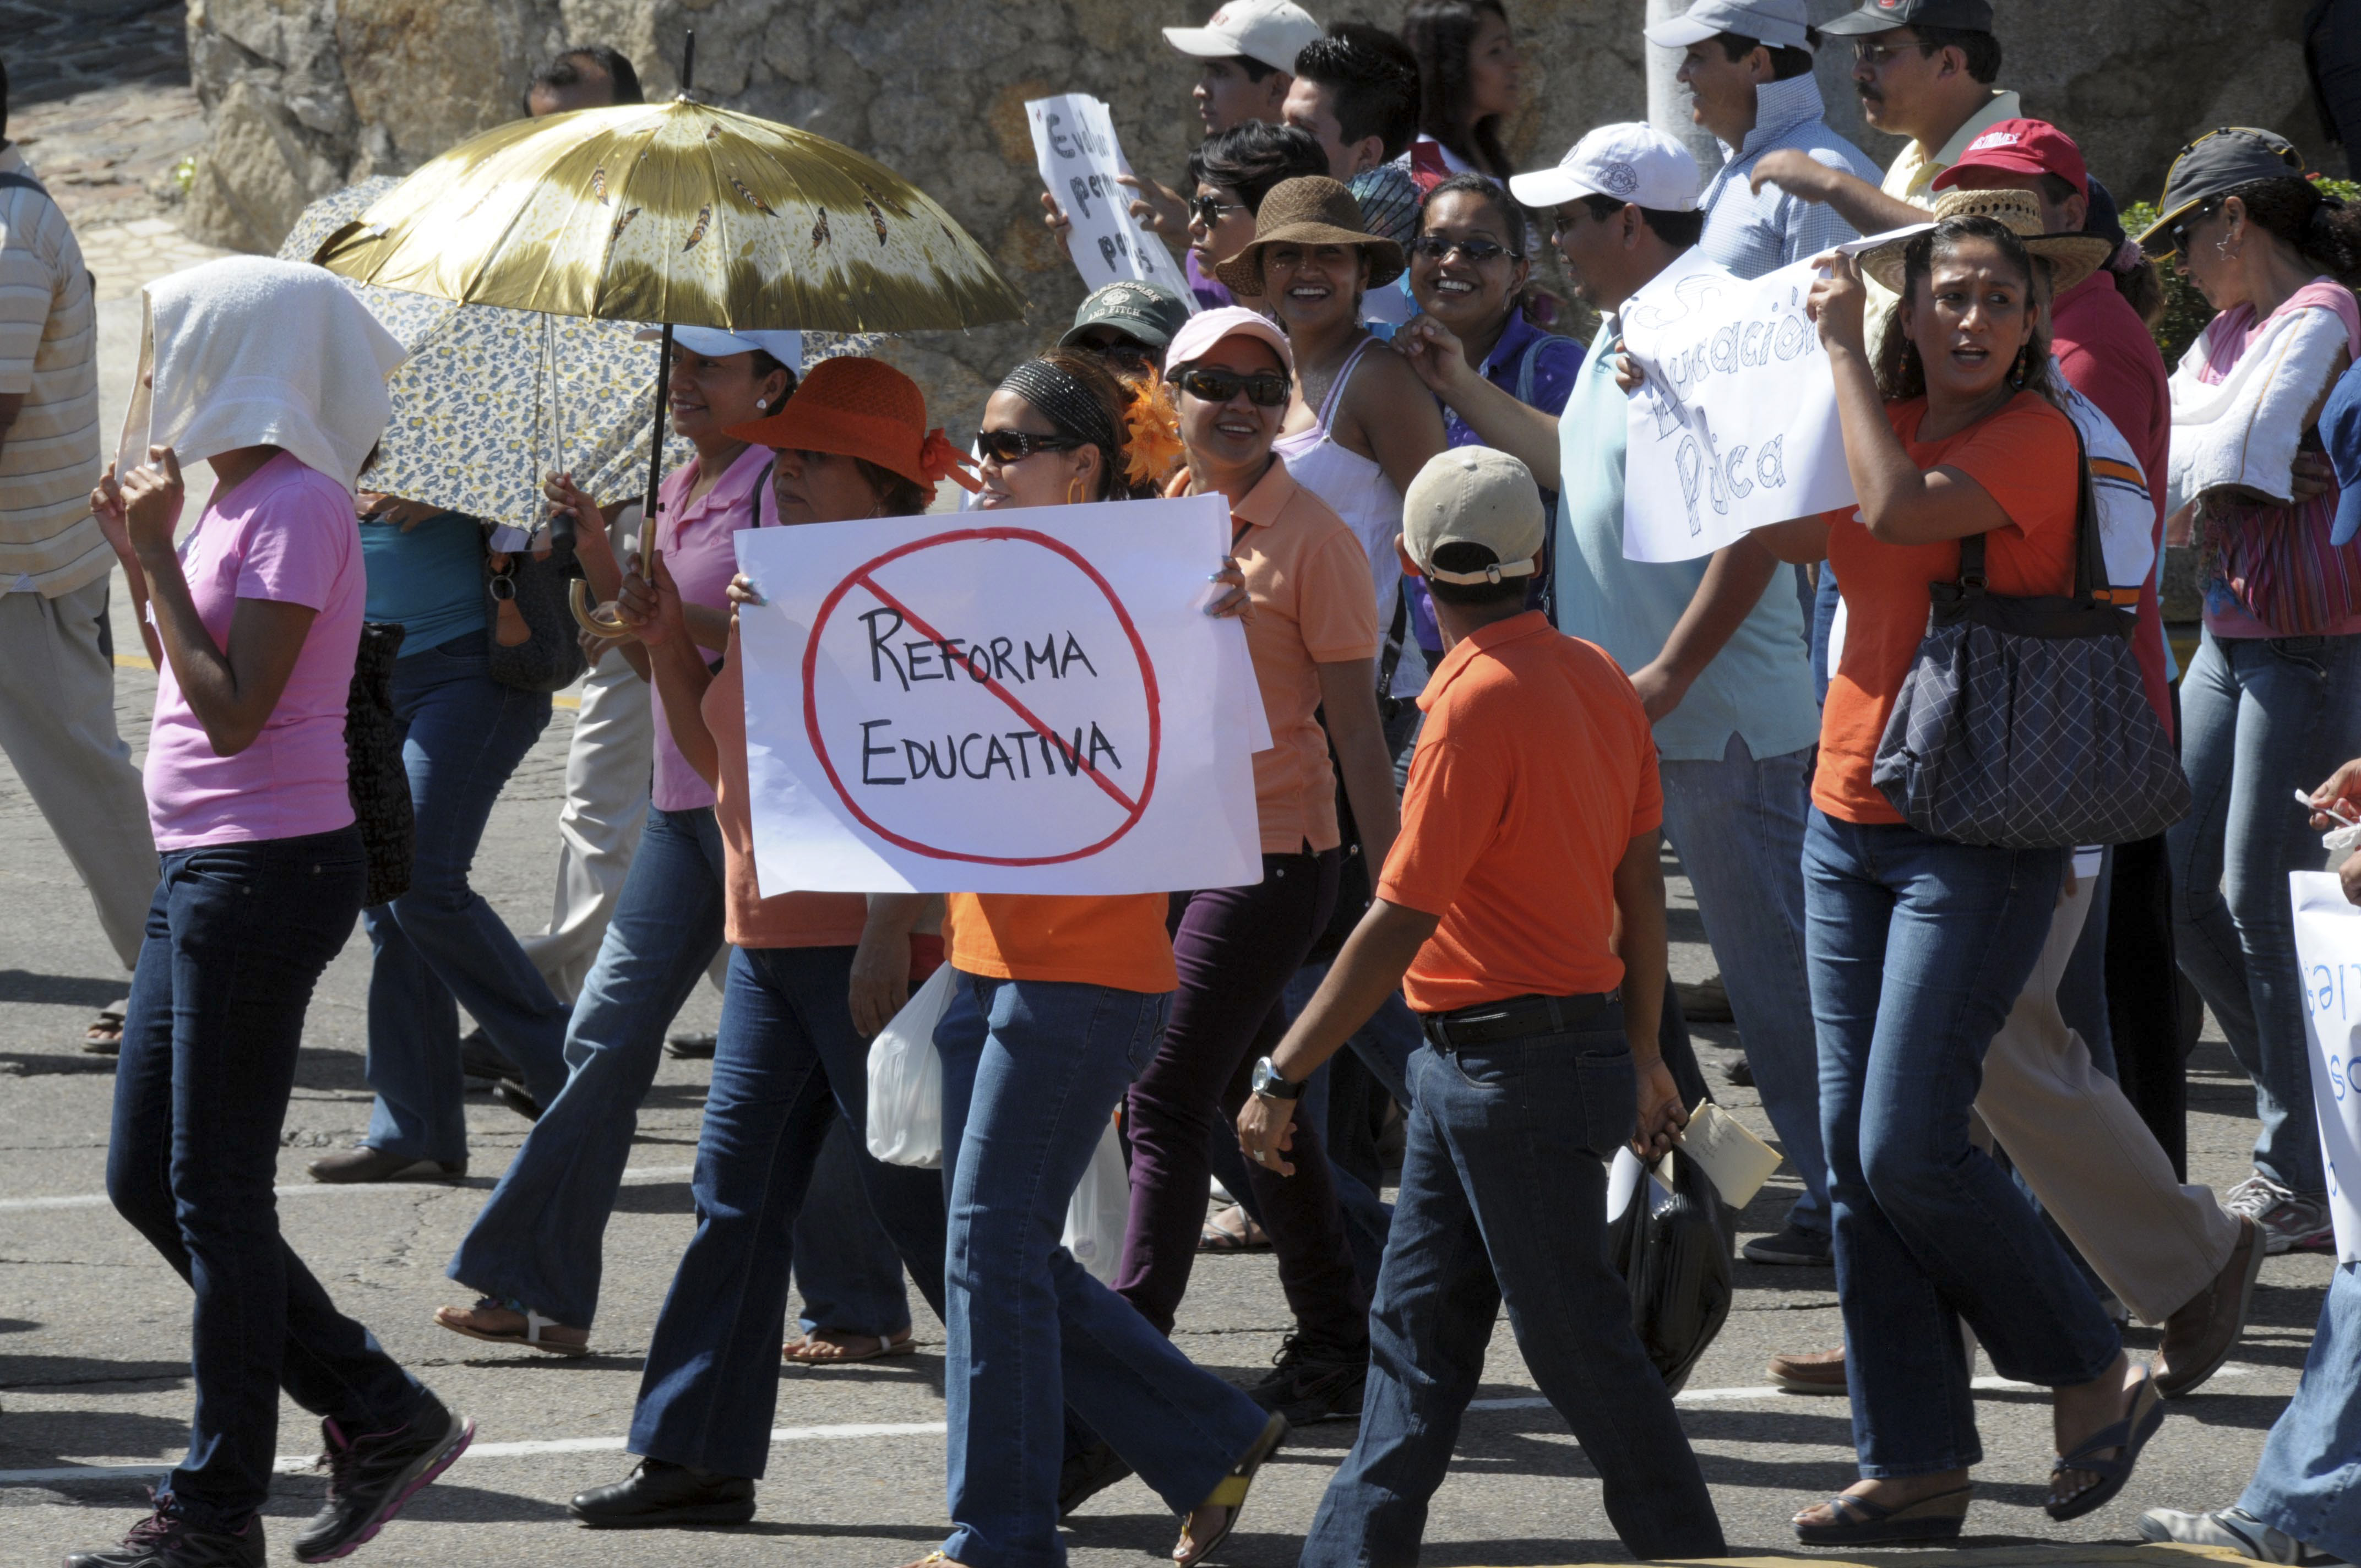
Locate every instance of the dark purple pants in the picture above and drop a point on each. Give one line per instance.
(1235, 949)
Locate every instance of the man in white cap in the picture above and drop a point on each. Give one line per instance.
(1246, 60)
(1714, 646)
(1748, 65)
(1522, 910)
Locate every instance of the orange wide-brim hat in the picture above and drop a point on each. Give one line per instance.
(865, 409)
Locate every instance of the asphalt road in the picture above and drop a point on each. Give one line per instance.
(93, 1328)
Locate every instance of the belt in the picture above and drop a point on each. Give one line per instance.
(1515, 1016)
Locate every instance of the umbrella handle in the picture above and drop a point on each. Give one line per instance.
(599, 620)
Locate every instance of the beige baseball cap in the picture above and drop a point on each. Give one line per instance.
(1475, 495)
(1271, 31)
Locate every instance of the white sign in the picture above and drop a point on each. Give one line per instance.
(2328, 952)
(1023, 701)
(1074, 145)
(1737, 426)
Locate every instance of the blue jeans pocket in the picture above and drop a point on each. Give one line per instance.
(1609, 1100)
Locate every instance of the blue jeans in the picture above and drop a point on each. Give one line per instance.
(539, 1239)
(846, 1270)
(2260, 718)
(1032, 1072)
(2309, 1482)
(1919, 948)
(788, 1067)
(1503, 1198)
(440, 943)
(1738, 827)
(238, 936)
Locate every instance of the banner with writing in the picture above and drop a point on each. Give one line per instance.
(1022, 701)
(1074, 145)
(1737, 424)
(2328, 954)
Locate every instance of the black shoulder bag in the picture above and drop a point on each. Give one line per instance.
(1356, 884)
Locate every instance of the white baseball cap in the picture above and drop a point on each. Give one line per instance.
(1627, 162)
(1475, 495)
(1272, 31)
(1781, 24)
(786, 347)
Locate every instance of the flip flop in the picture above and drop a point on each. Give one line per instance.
(801, 1352)
(2128, 1436)
(104, 1035)
(530, 1337)
(1216, 1237)
(1862, 1522)
(1230, 1494)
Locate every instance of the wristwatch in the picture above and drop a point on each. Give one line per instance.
(1268, 1085)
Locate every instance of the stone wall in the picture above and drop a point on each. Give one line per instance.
(303, 95)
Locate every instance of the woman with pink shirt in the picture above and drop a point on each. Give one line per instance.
(253, 623)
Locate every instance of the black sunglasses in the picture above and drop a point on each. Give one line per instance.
(1438, 247)
(2180, 229)
(1006, 447)
(1264, 389)
(1208, 209)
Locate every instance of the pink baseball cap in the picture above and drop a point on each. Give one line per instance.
(1203, 331)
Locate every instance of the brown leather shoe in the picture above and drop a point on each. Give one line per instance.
(365, 1164)
(1812, 1372)
(2200, 1335)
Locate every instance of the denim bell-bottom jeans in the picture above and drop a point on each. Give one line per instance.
(237, 937)
(439, 945)
(1032, 1072)
(2309, 1482)
(2260, 719)
(1919, 948)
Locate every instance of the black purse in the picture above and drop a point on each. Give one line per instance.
(375, 779)
(550, 657)
(2023, 723)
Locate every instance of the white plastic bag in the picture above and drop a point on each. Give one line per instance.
(906, 1079)
(2328, 958)
(1100, 1208)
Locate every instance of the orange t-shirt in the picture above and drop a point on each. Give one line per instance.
(2024, 458)
(1309, 578)
(1116, 941)
(750, 920)
(1534, 775)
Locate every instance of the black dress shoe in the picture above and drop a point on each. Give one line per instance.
(365, 1164)
(514, 1097)
(659, 1494)
(478, 1058)
(162, 1542)
(690, 1045)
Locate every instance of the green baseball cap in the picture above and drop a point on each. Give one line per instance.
(1140, 311)
(2215, 163)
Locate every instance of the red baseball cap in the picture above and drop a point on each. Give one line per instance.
(2021, 146)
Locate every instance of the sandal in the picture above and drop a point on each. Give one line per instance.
(533, 1335)
(1233, 1229)
(2127, 1437)
(104, 1038)
(1862, 1522)
(814, 1351)
(1229, 1495)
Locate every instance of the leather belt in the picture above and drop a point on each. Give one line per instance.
(1515, 1016)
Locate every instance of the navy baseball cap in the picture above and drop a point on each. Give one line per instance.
(2340, 429)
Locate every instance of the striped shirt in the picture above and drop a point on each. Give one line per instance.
(49, 458)
(1751, 233)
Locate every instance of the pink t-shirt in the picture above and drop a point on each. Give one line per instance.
(286, 534)
(695, 538)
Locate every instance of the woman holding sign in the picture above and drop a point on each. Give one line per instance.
(1917, 945)
(812, 977)
(1059, 1003)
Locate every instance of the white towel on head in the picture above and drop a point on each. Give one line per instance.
(247, 351)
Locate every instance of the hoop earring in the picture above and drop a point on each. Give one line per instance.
(1074, 491)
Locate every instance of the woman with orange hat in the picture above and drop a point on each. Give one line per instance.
(812, 977)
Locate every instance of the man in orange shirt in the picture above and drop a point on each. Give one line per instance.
(1520, 902)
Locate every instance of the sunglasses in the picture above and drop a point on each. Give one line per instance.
(1208, 209)
(1006, 446)
(2180, 229)
(1875, 55)
(1438, 247)
(1264, 389)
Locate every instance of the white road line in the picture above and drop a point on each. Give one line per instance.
(1765, 1391)
(315, 1189)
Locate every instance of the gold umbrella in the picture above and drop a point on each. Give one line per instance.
(681, 213)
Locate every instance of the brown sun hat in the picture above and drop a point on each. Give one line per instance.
(1309, 210)
(2072, 257)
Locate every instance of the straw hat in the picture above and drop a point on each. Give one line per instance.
(1309, 210)
(2072, 257)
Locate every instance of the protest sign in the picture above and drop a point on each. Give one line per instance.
(2328, 953)
(1737, 424)
(1026, 701)
(1074, 146)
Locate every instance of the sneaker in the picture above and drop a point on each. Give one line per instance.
(1308, 1384)
(2290, 1221)
(1790, 1248)
(371, 1477)
(2236, 1530)
(1810, 1372)
(160, 1541)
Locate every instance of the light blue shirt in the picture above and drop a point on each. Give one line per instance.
(1752, 234)
(1759, 687)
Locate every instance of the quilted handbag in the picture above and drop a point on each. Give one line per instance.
(2023, 723)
